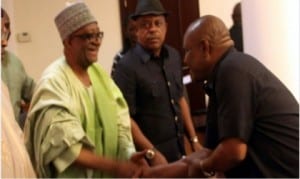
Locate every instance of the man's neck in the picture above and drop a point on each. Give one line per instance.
(80, 72)
(83, 76)
(154, 52)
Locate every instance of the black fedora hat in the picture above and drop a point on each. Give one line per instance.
(148, 7)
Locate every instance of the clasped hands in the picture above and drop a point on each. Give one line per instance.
(137, 167)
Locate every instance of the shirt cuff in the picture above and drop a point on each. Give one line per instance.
(67, 158)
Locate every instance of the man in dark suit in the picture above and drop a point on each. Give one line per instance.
(149, 75)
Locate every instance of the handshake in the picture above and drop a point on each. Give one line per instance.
(190, 166)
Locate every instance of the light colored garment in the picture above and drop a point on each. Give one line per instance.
(63, 118)
(19, 84)
(15, 162)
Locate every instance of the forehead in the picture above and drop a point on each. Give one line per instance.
(89, 28)
(5, 18)
(189, 39)
(150, 18)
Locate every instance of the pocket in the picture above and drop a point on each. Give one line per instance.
(155, 88)
(150, 89)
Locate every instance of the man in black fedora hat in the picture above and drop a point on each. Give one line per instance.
(150, 78)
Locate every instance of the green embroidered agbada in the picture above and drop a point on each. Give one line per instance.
(64, 116)
(19, 84)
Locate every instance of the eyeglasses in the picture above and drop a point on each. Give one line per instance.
(90, 36)
(5, 35)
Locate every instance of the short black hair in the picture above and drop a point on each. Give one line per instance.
(3, 13)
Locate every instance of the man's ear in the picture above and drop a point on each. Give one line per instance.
(67, 42)
(205, 48)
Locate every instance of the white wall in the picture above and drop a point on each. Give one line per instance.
(271, 34)
(37, 18)
(220, 8)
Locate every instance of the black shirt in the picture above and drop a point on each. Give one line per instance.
(248, 102)
(152, 87)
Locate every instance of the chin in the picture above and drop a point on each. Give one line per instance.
(92, 59)
(155, 46)
(89, 62)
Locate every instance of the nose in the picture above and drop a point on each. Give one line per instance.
(4, 43)
(97, 42)
(96, 39)
(153, 28)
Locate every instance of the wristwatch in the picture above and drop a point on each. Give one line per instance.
(194, 139)
(150, 154)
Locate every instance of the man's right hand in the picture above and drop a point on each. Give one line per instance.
(140, 163)
(128, 169)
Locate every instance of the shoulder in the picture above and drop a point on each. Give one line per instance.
(128, 65)
(239, 68)
(56, 70)
(118, 57)
(56, 65)
(11, 55)
(172, 51)
(13, 59)
(173, 55)
(57, 78)
(239, 61)
(131, 59)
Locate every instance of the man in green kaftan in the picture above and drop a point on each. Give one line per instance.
(78, 123)
(13, 74)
